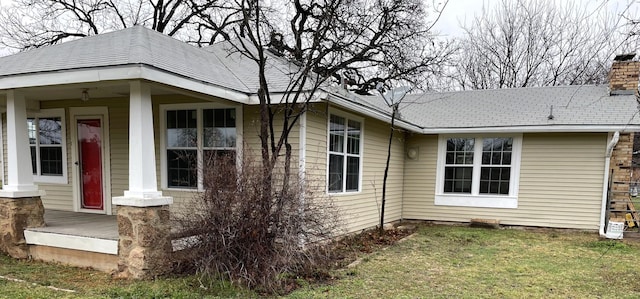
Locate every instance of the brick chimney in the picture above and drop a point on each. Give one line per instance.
(624, 75)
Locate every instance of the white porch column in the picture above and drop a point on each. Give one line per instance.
(19, 177)
(143, 187)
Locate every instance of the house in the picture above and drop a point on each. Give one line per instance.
(91, 128)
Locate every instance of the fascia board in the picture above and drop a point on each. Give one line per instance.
(534, 129)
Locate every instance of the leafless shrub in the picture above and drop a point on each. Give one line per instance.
(232, 232)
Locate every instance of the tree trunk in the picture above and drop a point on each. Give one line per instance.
(386, 169)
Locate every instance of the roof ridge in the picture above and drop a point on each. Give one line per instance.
(223, 63)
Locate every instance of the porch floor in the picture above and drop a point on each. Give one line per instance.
(79, 224)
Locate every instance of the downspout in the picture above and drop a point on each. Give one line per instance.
(605, 183)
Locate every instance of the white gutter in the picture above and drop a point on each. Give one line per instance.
(605, 183)
(532, 129)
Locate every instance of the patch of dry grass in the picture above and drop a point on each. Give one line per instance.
(94, 284)
(449, 262)
(436, 262)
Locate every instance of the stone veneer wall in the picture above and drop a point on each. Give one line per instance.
(16, 214)
(145, 244)
(621, 175)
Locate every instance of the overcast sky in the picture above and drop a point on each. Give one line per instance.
(457, 11)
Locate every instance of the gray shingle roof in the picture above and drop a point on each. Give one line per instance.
(585, 105)
(277, 70)
(138, 45)
(221, 66)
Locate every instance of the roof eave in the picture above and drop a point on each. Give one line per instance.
(534, 129)
(119, 72)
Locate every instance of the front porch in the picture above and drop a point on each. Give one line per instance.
(77, 239)
(81, 239)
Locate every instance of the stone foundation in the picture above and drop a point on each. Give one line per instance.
(16, 214)
(144, 247)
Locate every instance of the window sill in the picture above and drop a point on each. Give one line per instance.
(478, 201)
(194, 190)
(347, 193)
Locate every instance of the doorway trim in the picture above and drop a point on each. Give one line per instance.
(101, 112)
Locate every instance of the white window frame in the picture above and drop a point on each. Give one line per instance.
(50, 179)
(347, 117)
(199, 107)
(475, 199)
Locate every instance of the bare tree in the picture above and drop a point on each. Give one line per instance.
(358, 43)
(537, 43)
(350, 43)
(27, 24)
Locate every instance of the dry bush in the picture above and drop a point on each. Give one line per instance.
(233, 233)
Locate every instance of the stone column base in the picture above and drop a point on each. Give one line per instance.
(144, 246)
(16, 214)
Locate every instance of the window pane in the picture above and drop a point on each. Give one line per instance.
(31, 130)
(34, 169)
(460, 150)
(336, 164)
(230, 137)
(353, 173)
(214, 137)
(214, 157)
(219, 128)
(336, 134)
(183, 131)
(181, 137)
(51, 161)
(181, 167)
(353, 137)
(219, 169)
(495, 180)
(50, 130)
(207, 118)
(506, 158)
(497, 151)
(218, 118)
(458, 179)
(230, 118)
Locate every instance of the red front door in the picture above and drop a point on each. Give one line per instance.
(90, 163)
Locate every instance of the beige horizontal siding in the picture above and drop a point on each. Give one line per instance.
(252, 144)
(359, 210)
(561, 179)
(420, 178)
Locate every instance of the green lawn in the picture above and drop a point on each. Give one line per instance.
(436, 262)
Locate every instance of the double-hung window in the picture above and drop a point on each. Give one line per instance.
(193, 138)
(478, 171)
(345, 154)
(48, 146)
